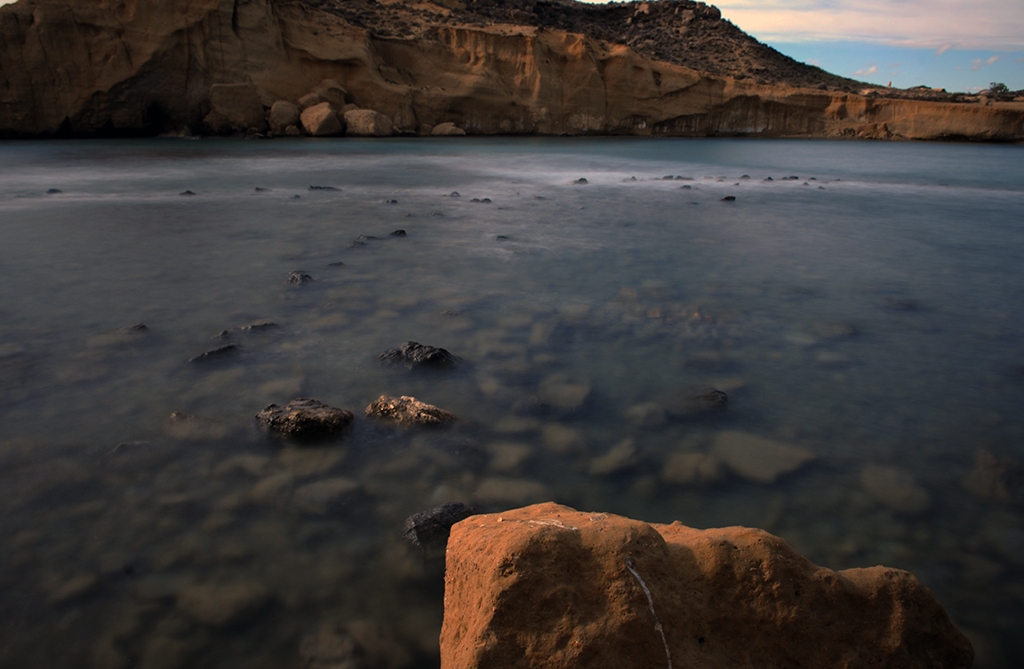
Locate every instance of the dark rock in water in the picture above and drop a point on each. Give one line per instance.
(356, 244)
(729, 198)
(186, 192)
(454, 193)
(323, 188)
(769, 179)
(502, 238)
(686, 187)
(305, 419)
(366, 238)
(262, 190)
(296, 197)
(669, 177)
(692, 404)
(745, 176)
(54, 191)
(429, 530)
(581, 181)
(298, 278)
(414, 355)
(258, 326)
(336, 264)
(407, 412)
(437, 214)
(398, 233)
(486, 200)
(216, 353)
(390, 201)
(476, 199)
(902, 305)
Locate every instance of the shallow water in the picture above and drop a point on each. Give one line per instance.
(868, 312)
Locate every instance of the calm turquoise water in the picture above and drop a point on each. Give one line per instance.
(868, 312)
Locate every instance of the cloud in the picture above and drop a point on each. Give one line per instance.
(978, 63)
(866, 72)
(993, 25)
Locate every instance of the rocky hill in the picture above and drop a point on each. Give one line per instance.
(669, 67)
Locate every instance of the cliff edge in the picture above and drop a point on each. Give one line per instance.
(673, 67)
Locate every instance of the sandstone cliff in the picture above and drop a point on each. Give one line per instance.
(129, 67)
(549, 587)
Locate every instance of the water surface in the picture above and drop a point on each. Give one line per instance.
(860, 301)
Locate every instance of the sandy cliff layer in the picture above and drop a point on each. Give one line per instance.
(125, 66)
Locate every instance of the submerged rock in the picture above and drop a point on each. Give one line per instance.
(407, 411)
(415, 355)
(305, 419)
(324, 496)
(758, 459)
(605, 592)
(895, 488)
(224, 605)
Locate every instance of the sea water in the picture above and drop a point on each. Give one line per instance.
(859, 301)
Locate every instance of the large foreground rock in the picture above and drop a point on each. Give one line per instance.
(548, 586)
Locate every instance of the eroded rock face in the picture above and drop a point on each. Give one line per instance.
(305, 419)
(150, 67)
(548, 586)
(235, 108)
(407, 411)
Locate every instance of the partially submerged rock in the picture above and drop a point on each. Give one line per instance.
(429, 530)
(415, 355)
(407, 411)
(547, 586)
(305, 419)
(697, 403)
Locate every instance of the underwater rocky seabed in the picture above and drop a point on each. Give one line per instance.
(867, 312)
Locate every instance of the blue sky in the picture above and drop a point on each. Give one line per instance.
(958, 45)
(951, 44)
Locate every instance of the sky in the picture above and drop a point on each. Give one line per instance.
(958, 45)
(952, 44)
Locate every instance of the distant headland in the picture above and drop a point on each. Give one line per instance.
(416, 67)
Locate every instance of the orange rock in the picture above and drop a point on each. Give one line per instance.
(548, 586)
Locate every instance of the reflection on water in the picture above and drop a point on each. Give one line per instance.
(863, 319)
